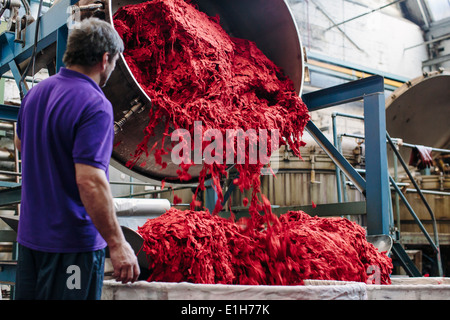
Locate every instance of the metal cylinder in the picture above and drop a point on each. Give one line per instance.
(140, 207)
(133, 213)
(418, 112)
(268, 23)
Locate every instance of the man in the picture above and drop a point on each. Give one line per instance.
(65, 135)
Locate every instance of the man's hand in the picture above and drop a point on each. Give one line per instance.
(125, 264)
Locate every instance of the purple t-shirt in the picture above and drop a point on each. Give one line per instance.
(64, 119)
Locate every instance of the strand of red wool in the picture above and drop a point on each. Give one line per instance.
(194, 71)
(197, 247)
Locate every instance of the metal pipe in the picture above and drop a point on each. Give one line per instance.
(397, 198)
(350, 135)
(338, 171)
(413, 214)
(10, 173)
(6, 126)
(155, 191)
(6, 156)
(364, 14)
(403, 144)
(26, 5)
(92, 6)
(28, 79)
(391, 217)
(334, 24)
(347, 115)
(429, 42)
(17, 162)
(140, 207)
(7, 165)
(438, 193)
(134, 183)
(343, 180)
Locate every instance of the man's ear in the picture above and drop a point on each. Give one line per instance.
(105, 60)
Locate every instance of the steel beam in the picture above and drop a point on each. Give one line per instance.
(8, 272)
(50, 22)
(10, 196)
(61, 44)
(344, 93)
(8, 112)
(377, 174)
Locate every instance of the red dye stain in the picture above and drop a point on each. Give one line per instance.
(194, 71)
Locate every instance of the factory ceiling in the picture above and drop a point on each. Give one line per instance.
(426, 12)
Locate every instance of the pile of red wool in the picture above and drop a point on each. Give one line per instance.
(192, 70)
(198, 247)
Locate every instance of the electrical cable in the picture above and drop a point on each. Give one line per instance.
(33, 55)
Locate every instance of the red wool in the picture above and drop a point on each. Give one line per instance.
(194, 71)
(176, 200)
(198, 247)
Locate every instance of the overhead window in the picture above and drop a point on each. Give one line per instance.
(439, 9)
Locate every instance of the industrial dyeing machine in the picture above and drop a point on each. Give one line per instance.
(29, 45)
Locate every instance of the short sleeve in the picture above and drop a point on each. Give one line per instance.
(94, 139)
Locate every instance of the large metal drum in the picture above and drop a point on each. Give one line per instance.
(419, 111)
(269, 23)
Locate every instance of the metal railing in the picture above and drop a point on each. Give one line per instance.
(394, 184)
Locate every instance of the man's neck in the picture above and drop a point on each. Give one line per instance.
(87, 72)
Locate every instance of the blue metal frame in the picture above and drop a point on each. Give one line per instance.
(377, 175)
(344, 93)
(61, 44)
(8, 272)
(53, 28)
(375, 186)
(8, 112)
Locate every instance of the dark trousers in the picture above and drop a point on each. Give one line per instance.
(59, 276)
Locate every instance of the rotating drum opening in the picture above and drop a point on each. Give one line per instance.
(268, 23)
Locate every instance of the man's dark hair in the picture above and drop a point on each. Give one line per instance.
(89, 40)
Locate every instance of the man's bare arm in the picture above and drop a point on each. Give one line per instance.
(17, 142)
(96, 196)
